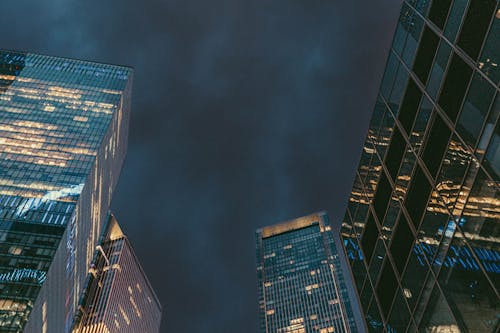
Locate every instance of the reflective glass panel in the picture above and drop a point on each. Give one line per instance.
(475, 25)
(414, 276)
(467, 291)
(438, 316)
(475, 110)
(438, 68)
(455, 163)
(455, 19)
(489, 61)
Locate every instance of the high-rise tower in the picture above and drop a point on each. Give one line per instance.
(118, 297)
(301, 286)
(422, 228)
(63, 139)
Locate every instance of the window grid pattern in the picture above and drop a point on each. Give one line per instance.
(118, 297)
(301, 286)
(54, 114)
(428, 257)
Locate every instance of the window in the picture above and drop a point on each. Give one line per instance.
(438, 69)
(398, 89)
(418, 194)
(405, 172)
(489, 133)
(455, 86)
(409, 106)
(490, 58)
(455, 163)
(420, 125)
(455, 19)
(439, 11)
(416, 26)
(437, 310)
(475, 110)
(395, 155)
(387, 286)
(404, 25)
(373, 317)
(415, 274)
(436, 145)
(366, 296)
(384, 134)
(369, 238)
(402, 243)
(378, 257)
(476, 23)
(425, 54)
(400, 316)
(365, 162)
(465, 286)
(420, 5)
(492, 160)
(480, 210)
(359, 273)
(391, 217)
(377, 118)
(382, 196)
(389, 75)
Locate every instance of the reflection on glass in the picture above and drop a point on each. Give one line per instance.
(414, 276)
(489, 59)
(455, 19)
(404, 25)
(400, 316)
(54, 116)
(420, 124)
(377, 259)
(373, 318)
(389, 75)
(398, 90)
(438, 69)
(492, 158)
(438, 316)
(467, 291)
(405, 173)
(449, 181)
(475, 110)
(414, 27)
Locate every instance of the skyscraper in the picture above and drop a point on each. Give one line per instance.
(118, 297)
(63, 139)
(301, 287)
(422, 228)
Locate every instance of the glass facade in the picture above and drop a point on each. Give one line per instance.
(118, 297)
(301, 286)
(63, 139)
(422, 228)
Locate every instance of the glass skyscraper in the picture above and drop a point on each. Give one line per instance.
(63, 139)
(118, 297)
(301, 286)
(422, 228)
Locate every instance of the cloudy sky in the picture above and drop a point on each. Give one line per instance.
(245, 113)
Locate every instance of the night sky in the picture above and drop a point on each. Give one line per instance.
(245, 113)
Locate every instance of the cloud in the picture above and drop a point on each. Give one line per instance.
(245, 113)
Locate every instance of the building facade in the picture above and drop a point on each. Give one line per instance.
(301, 286)
(63, 139)
(118, 297)
(422, 227)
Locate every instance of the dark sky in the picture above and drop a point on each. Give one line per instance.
(245, 113)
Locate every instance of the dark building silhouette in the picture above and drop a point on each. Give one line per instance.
(422, 227)
(301, 285)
